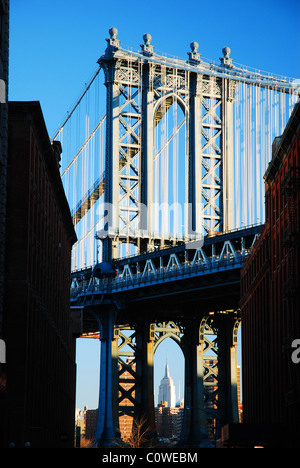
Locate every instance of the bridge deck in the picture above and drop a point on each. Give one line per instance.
(192, 277)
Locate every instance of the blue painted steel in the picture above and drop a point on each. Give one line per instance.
(90, 290)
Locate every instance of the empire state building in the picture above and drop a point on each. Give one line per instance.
(166, 390)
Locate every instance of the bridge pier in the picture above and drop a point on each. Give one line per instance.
(210, 380)
(145, 379)
(194, 432)
(227, 370)
(107, 428)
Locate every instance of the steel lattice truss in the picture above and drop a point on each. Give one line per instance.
(140, 94)
(212, 355)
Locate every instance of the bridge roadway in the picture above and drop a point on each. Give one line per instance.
(167, 282)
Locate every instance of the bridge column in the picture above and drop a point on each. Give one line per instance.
(107, 418)
(194, 422)
(194, 221)
(227, 369)
(144, 368)
(111, 194)
(228, 87)
(147, 151)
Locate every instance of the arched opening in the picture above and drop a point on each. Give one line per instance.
(169, 166)
(87, 387)
(168, 371)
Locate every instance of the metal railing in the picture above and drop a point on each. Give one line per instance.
(137, 280)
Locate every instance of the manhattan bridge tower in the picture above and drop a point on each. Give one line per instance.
(140, 176)
(186, 144)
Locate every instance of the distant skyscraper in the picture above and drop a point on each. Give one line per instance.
(167, 389)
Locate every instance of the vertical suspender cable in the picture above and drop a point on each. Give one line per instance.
(236, 160)
(244, 176)
(249, 157)
(257, 158)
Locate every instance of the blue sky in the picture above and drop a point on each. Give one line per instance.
(55, 44)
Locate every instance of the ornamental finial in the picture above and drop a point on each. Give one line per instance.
(194, 57)
(226, 60)
(147, 48)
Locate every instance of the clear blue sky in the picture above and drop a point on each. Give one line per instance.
(55, 44)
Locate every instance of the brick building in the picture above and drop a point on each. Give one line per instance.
(39, 403)
(168, 420)
(4, 56)
(270, 299)
(91, 424)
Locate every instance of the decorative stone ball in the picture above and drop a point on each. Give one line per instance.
(147, 39)
(226, 52)
(194, 47)
(113, 33)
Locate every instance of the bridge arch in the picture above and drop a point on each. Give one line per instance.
(169, 385)
(170, 99)
(166, 330)
(170, 127)
(172, 336)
